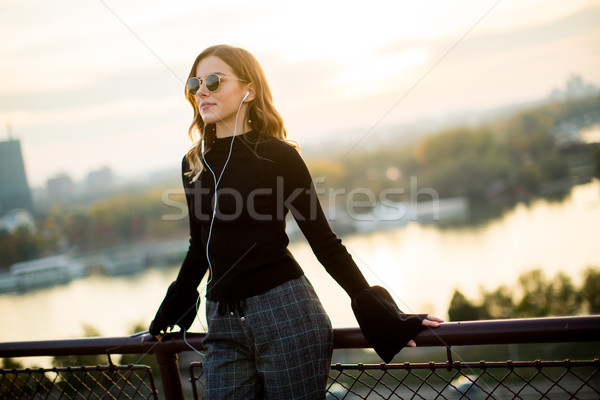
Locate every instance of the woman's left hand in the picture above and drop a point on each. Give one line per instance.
(430, 321)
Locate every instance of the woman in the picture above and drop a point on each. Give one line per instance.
(268, 334)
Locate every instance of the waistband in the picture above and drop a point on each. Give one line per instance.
(232, 306)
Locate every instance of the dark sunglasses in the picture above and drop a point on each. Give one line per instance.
(212, 82)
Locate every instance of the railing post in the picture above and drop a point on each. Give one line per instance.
(169, 374)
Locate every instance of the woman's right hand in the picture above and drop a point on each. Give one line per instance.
(430, 321)
(159, 336)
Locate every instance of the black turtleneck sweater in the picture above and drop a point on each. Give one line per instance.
(247, 244)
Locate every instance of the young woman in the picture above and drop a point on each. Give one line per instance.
(268, 334)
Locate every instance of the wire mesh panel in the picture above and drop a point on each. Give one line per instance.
(100, 382)
(483, 380)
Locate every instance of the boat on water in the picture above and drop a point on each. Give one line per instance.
(393, 215)
(45, 271)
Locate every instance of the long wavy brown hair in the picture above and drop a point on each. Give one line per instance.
(264, 118)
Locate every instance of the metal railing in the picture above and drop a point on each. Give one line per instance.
(443, 380)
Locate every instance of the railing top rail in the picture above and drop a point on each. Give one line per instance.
(534, 330)
(501, 331)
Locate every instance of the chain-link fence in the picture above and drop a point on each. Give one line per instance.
(99, 382)
(481, 380)
(445, 380)
(459, 380)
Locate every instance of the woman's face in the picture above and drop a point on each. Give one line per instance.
(220, 107)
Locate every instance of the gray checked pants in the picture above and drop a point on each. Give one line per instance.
(280, 348)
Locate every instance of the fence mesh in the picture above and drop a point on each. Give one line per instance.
(100, 382)
(482, 380)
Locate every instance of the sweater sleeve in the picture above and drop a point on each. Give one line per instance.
(179, 305)
(300, 197)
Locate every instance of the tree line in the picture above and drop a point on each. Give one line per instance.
(510, 158)
(125, 218)
(534, 295)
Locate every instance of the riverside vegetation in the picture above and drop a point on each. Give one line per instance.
(493, 165)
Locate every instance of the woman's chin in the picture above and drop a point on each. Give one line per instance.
(209, 118)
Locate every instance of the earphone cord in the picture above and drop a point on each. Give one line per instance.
(217, 181)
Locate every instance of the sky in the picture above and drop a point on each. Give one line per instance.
(94, 83)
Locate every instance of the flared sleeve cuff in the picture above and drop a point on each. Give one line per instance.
(383, 324)
(178, 308)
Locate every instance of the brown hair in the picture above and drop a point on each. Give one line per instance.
(264, 118)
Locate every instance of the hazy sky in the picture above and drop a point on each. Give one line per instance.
(90, 83)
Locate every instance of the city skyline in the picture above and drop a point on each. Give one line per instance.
(102, 85)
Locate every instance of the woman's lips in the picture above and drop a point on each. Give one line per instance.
(206, 106)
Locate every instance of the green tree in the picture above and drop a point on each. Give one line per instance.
(76, 226)
(535, 295)
(498, 303)
(596, 159)
(461, 309)
(10, 363)
(21, 245)
(590, 290)
(565, 298)
(541, 297)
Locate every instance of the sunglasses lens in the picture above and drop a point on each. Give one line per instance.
(212, 82)
(193, 85)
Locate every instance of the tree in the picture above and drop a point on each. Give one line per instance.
(564, 299)
(590, 290)
(462, 309)
(541, 297)
(21, 245)
(498, 303)
(535, 295)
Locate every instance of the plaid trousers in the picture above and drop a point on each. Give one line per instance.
(280, 348)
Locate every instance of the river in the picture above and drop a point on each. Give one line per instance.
(421, 265)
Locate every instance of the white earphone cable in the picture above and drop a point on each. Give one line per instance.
(214, 213)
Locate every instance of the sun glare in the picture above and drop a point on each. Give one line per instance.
(380, 74)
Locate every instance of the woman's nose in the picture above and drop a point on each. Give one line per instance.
(202, 91)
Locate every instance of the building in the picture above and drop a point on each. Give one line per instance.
(100, 182)
(60, 189)
(14, 188)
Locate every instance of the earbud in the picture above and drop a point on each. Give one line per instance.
(247, 94)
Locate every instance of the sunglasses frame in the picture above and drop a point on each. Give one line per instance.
(201, 81)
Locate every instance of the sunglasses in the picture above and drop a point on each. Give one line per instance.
(212, 82)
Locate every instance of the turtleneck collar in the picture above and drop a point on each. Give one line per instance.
(226, 141)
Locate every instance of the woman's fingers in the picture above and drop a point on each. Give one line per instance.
(160, 335)
(432, 318)
(432, 321)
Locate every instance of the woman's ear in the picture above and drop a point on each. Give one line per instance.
(251, 93)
